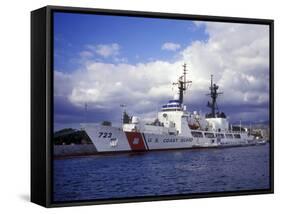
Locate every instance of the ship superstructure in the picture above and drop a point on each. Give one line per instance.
(173, 128)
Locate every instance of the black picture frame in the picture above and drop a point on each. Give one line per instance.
(42, 102)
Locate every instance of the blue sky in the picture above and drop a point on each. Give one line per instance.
(106, 61)
(140, 39)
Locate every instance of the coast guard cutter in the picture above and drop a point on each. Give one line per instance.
(174, 127)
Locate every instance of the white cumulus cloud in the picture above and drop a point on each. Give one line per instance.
(105, 50)
(238, 57)
(86, 54)
(170, 46)
(236, 54)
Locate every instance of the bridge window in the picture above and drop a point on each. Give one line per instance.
(197, 134)
(229, 136)
(177, 109)
(237, 136)
(209, 135)
(220, 135)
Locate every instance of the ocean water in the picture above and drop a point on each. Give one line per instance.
(161, 173)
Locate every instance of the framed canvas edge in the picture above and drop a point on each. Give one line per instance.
(49, 102)
(154, 14)
(38, 105)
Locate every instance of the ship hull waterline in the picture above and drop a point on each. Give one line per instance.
(110, 140)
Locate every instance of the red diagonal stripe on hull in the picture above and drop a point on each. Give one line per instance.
(135, 141)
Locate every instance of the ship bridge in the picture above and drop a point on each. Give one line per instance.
(173, 105)
(177, 103)
(173, 115)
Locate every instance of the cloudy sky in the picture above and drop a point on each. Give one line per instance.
(105, 61)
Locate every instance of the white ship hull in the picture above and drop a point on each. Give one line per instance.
(113, 139)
